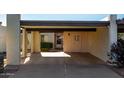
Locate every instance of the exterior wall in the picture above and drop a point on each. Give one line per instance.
(2, 38)
(95, 43)
(98, 43)
(71, 45)
(84, 42)
(69, 42)
(28, 40)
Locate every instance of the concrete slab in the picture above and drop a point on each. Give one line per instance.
(79, 65)
(40, 71)
(90, 71)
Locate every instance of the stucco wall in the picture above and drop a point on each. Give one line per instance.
(95, 43)
(28, 40)
(2, 38)
(70, 43)
(98, 43)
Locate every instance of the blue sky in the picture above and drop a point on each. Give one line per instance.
(63, 17)
(74, 17)
(66, 16)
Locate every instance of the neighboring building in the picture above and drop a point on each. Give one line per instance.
(2, 38)
(121, 31)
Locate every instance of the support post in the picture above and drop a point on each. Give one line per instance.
(35, 42)
(24, 43)
(32, 41)
(13, 39)
(112, 30)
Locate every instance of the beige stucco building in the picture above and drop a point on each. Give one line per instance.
(94, 37)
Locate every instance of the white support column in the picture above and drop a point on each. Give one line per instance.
(112, 30)
(13, 39)
(24, 43)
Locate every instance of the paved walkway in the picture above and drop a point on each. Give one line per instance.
(70, 65)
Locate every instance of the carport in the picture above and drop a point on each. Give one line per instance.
(85, 47)
(78, 36)
(94, 37)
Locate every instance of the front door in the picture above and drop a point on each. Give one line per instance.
(76, 41)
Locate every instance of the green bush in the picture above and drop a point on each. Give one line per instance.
(46, 45)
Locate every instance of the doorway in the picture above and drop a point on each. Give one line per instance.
(59, 41)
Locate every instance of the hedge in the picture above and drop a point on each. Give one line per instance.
(46, 45)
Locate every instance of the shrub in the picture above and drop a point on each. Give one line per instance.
(45, 46)
(1, 62)
(116, 55)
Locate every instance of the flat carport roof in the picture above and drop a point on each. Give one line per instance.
(53, 26)
(63, 23)
(59, 26)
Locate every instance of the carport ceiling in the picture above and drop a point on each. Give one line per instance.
(60, 29)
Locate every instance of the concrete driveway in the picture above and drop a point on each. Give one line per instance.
(63, 65)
